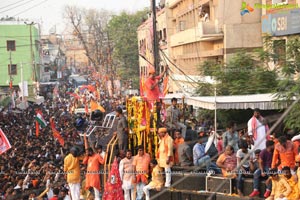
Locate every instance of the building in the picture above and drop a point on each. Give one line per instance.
(281, 22)
(53, 58)
(20, 57)
(146, 48)
(201, 30)
(75, 53)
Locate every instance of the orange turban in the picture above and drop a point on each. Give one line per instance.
(162, 130)
(151, 71)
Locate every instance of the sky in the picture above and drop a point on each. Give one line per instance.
(50, 12)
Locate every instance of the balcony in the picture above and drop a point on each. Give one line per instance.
(202, 54)
(209, 31)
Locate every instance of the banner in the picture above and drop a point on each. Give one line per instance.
(4, 143)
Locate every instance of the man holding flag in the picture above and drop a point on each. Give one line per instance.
(39, 121)
(4, 143)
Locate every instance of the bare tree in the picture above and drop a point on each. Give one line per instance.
(89, 26)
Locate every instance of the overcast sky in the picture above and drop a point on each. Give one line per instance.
(49, 12)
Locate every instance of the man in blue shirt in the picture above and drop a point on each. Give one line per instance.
(200, 157)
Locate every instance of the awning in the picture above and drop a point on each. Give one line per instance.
(262, 101)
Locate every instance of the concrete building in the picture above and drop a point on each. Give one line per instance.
(145, 39)
(76, 59)
(280, 21)
(19, 50)
(53, 58)
(200, 30)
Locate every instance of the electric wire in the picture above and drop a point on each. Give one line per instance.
(16, 6)
(11, 4)
(30, 8)
(177, 67)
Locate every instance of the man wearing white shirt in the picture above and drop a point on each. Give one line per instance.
(126, 170)
(257, 130)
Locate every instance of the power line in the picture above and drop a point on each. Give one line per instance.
(177, 67)
(11, 4)
(30, 8)
(16, 6)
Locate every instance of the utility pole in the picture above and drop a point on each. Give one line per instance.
(10, 75)
(155, 40)
(22, 83)
(31, 50)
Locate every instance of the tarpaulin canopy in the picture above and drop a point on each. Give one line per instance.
(262, 101)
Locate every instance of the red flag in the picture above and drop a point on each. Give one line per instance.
(76, 96)
(56, 133)
(4, 143)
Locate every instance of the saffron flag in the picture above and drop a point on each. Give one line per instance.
(56, 133)
(95, 106)
(4, 143)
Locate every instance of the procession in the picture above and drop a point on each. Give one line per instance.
(140, 100)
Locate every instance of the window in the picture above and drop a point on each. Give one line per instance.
(12, 70)
(181, 26)
(11, 45)
(279, 47)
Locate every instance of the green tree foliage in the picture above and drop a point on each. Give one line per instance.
(122, 30)
(243, 74)
(289, 84)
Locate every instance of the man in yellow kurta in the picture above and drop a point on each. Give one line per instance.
(280, 187)
(72, 170)
(157, 179)
(291, 181)
(165, 153)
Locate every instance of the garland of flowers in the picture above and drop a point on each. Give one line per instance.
(139, 121)
(154, 130)
(129, 114)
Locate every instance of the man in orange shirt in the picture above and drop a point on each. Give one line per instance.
(141, 164)
(165, 153)
(151, 85)
(93, 162)
(286, 152)
(178, 141)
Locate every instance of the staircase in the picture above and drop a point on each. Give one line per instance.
(199, 186)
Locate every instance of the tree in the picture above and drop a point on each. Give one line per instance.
(88, 25)
(289, 84)
(243, 74)
(122, 30)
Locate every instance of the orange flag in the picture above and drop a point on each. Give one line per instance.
(95, 106)
(56, 133)
(37, 129)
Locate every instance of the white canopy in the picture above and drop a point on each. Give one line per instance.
(261, 101)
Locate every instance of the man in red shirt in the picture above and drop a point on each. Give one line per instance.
(151, 85)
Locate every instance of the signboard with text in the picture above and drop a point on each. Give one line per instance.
(283, 23)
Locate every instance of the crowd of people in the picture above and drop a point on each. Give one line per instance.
(40, 166)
